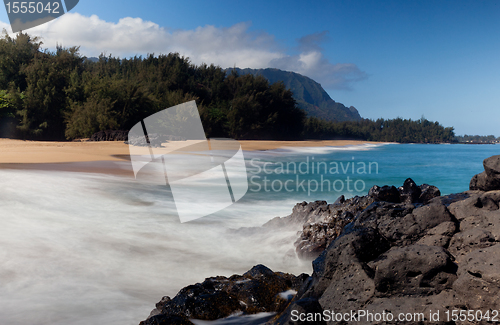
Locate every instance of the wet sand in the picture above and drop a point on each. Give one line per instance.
(112, 157)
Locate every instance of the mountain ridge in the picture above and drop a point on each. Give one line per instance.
(308, 94)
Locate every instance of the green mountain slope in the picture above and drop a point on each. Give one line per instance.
(309, 94)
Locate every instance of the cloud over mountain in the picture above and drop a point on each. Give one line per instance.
(225, 46)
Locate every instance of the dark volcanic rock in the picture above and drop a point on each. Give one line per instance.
(339, 200)
(328, 222)
(470, 240)
(483, 182)
(303, 306)
(401, 227)
(428, 192)
(301, 213)
(110, 135)
(418, 304)
(492, 166)
(439, 235)
(409, 192)
(478, 283)
(415, 269)
(323, 222)
(489, 180)
(385, 193)
(167, 320)
(258, 290)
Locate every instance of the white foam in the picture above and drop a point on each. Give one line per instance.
(254, 319)
(312, 150)
(328, 149)
(90, 248)
(287, 294)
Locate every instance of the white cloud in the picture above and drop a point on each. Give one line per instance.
(311, 62)
(5, 26)
(226, 47)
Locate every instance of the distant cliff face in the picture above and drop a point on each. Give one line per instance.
(309, 94)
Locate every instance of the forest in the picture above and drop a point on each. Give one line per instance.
(63, 95)
(477, 138)
(383, 130)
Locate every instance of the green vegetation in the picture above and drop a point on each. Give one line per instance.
(395, 130)
(63, 95)
(476, 139)
(308, 94)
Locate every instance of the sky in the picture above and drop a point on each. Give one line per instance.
(437, 59)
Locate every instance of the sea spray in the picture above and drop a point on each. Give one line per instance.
(90, 248)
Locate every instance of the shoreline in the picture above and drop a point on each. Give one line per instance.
(111, 157)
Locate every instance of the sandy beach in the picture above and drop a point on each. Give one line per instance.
(111, 156)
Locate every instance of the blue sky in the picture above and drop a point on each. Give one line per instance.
(439, 59)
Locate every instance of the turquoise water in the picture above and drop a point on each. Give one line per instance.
(449, 167)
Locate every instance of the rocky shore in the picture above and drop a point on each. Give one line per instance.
(397, 250)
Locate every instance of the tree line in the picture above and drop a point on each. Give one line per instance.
(467, 138)
(383, 130)
(64, 95)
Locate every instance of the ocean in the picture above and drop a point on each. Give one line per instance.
(81, 248)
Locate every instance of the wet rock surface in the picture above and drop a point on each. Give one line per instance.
(258, 290)
(488, 180)
(407, 253)
(323, 222)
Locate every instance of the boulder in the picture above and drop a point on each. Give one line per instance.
(489, 180)
(257, 290)
(316, 237)
(385, 193)
(472, 239)
(428, 192)
(409, 192)
(478, 283)
(439, 235)
(325, 223)
(492, 166)
(342, 267)
(413, 270)
(483, 182)
(479, 209)
(407, 228)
